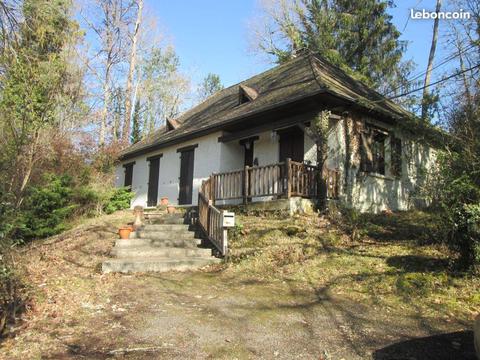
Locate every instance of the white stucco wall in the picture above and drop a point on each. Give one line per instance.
(266, 149)
(206, 161)
(370, 192)
(366, 192)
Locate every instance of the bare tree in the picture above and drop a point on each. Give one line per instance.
(426, 91)
(112, 32)
(131, 72)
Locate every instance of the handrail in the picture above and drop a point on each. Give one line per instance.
(210, 219)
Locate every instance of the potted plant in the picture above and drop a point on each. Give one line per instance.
(125, 231)
(170, 209)
(164, 201)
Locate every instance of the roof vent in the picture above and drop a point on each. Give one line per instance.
(246, 94)
(172, 124)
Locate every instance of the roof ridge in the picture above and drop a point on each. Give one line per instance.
(364, 87)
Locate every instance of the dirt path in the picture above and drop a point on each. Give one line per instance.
(80, 313)
(195, 316)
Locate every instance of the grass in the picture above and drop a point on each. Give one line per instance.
(287, 280)
(395, 265)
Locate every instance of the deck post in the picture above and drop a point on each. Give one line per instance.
(245, 185)
(225, 242)
(208, 217)
(289, 177)
(224, 230)
(212, 189)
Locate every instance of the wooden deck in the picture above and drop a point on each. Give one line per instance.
(282, 180)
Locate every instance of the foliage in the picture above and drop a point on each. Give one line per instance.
(35, 79)
(47, 208)
(162, 88)
(118, 200)
(358, 36)
(209, 86)
(136, 130)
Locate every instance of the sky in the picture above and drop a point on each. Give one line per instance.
(211, 36)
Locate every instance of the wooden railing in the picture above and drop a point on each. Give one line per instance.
(210, 219)
(286, 179)
(283, 179)
(304, 181)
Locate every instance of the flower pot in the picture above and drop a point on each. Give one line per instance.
(124, 232)
(170, 209)
(164, 201)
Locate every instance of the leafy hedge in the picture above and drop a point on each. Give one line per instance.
(49, 207)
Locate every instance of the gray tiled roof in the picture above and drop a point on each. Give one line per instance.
(304, 76)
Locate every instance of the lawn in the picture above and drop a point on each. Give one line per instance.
(291, 288)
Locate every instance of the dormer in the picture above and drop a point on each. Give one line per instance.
(172, 124)
(246, 94)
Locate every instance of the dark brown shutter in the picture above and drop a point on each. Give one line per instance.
(128, 175)
(186, 177)
(153, 175)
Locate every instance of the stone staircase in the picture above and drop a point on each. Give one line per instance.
(163, 244)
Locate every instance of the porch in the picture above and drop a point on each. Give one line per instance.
(284, 180)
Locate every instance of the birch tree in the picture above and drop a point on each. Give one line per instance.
(131, 72)
(109, 21)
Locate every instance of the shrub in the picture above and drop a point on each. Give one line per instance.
(118, 200)
(86, 200)
(458, 201)
(46, 208)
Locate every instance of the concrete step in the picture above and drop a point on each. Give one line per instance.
(165, 227)
(167, 219)
(168, 252)
(171, 242)
(167, 234)
(160, 264)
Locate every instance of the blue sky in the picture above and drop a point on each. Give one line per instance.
(212, 35)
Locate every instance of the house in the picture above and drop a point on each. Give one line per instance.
(253, 141)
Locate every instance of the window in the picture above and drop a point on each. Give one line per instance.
(396, 151)
(373, 151)
(128, 174)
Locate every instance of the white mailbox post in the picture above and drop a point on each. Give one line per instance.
(228, 221)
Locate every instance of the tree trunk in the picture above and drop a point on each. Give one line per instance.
(428, 75)
(106, 102)
(131, 72)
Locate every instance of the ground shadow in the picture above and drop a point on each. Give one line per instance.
(418, 263)
(456, 345)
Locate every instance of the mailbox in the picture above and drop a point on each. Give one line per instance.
(228, 219)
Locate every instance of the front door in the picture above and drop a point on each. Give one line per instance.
(153, 181)
(248, 160)
(291, 144)
(186, 177)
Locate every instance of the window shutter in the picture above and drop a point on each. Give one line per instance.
(366, 154)
(396, 151)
